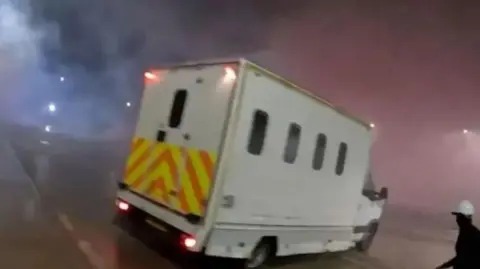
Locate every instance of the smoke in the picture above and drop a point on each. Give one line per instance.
(16, 39)
(411, 68)
(88, 56)
(18, 54)
(381, 61)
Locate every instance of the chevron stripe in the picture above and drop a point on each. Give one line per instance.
(179, 178)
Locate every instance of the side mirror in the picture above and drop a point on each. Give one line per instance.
(383, 193)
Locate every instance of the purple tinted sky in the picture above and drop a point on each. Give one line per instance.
(413, 69)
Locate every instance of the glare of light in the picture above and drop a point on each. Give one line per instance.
(189, 242)
(52, 107)
(229, 74)
(129, 104)
(62, 79)
(150, 75)
(48, 128)
(123, 206)
(372, 125)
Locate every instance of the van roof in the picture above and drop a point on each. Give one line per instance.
(272, 75)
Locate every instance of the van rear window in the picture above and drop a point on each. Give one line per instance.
(258, 132)
(178, 107)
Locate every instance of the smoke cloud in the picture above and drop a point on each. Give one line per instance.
(88, 56)
(410, 67)
(19, 54)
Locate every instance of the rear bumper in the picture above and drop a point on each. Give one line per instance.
(160, 213)
(150, 230)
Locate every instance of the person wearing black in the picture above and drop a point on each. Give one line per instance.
(467, 247)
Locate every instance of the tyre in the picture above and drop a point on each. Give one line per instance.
(367, 240)
(260, 254)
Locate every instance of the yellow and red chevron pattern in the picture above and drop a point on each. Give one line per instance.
(180, 178)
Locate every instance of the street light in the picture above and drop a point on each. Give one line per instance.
(48, 128)
(465, 131)
(372, 125)
(52, 107)
(62, 79)
(129, 104)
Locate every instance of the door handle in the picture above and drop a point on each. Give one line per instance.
(161, 136)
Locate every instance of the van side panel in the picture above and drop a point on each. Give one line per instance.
(266, 190)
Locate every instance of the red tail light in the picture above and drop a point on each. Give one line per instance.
(152, 77)
(123, 206)
(188, 241)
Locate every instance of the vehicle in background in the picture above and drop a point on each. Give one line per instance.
(231, 160)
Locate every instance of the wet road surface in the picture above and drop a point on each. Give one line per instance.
(29, 236)
(57, 209)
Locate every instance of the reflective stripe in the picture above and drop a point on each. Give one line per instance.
(153, 168)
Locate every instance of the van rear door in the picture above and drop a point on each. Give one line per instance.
(178, 135)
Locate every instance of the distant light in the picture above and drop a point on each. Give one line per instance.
(52, 107)
(48, 128)
(372, 125)
(129, 104)
(465, 131)
(62, 79)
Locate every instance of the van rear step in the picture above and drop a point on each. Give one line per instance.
(149, 229)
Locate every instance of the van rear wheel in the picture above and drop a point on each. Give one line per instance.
(259, 255)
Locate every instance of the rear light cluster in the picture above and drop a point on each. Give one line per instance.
(153, 77)
(188, 241)
(122, 205)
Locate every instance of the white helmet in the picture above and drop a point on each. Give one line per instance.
(464, 208)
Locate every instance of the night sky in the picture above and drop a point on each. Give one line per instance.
(411, 68)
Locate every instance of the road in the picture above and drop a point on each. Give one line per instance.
(57, 208)
(29, 236)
